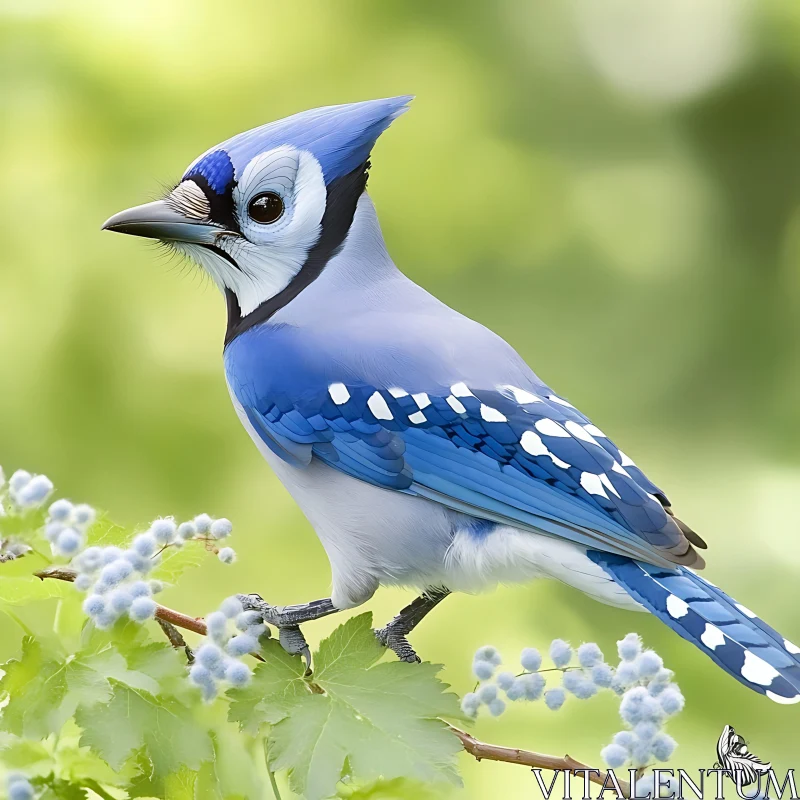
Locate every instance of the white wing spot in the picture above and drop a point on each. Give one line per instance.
(617, 467)
(456, 405)
(756, 670)
(593, 484)
(532, 443)
(607, 483)
(676, 607)
(550, 428)
(338, 393)
(791, 648)
(461, 390)
(395, 391)
(626, 461)
(746, 611)
(594, 431)
(579, 432)
(560, 401)
(784, 701)
(521, 396)
(421, 399)
(712, 637)
(417, 418)
(377, 405)
(490, 414)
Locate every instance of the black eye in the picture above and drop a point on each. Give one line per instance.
(266, 208)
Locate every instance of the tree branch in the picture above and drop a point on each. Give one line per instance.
(168, 618)
(163, 614)
(512, 755)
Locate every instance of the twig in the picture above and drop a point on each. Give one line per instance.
(163, 614)
(272, 781)
(176, 639)
(512, 755)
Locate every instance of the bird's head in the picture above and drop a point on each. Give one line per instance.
(264, 211)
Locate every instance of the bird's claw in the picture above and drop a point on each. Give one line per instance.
(396, 641)
(289, 634)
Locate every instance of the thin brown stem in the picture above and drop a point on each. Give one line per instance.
(163, 613)
(527, 758)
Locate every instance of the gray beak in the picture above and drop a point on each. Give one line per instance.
(158, 221)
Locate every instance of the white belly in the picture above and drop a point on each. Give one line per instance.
(375, 536)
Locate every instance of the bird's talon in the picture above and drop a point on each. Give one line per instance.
(398, 644)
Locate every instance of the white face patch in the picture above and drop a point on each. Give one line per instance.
(267, 256)
(676, 607)
(338, 393)
(489, 414)
(189, 199)
(377, 405)
(712, 637)
(756, 670)
(549, 428)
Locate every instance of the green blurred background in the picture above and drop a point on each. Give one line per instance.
(612, 185)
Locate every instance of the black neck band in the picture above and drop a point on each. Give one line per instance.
(340, 208)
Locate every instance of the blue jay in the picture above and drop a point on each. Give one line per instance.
(419, 445)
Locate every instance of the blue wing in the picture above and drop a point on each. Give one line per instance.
(511, 454)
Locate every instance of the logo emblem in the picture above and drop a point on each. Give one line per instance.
(734, 756)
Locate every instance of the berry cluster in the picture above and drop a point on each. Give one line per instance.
(66, 526)
(649, 698)
(231, 633)
(27, 491)
(19, 787)
(582, 679)
(114, 579)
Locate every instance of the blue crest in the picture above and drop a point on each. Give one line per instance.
(216, 167)
(339, 137)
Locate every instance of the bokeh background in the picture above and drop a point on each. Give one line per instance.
(612, 185)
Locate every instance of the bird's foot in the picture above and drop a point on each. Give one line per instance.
(287, 620)
(289, 634)
(395, 639)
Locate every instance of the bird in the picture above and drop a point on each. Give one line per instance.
(420, 446)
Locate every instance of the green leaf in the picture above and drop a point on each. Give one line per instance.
(374, 720)
(22, 590)
(175, 561)
(135, 719)
(277, 684)
(45, 687)
(396, 789)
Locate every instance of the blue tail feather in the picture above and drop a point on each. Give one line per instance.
(730, 634)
